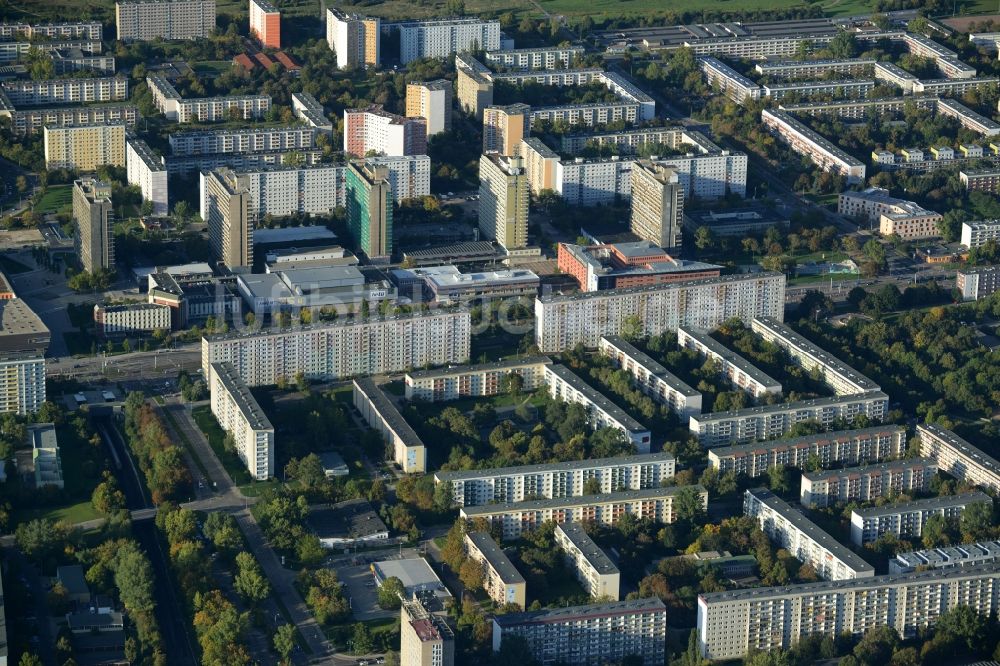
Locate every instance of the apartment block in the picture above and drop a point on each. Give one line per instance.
(381, 414)
(546, 57)
(30, 121)
(624, 265)
(503, 200)
(848, 88)
(308, 109)
(539, 164)
(839, 377)
(504, 127)
(590, 635)
(593, 568)
(861, 108)
(565, 385)
(738, 371)
(907, 519)
(728, 81)
(629, 141)
(84, 147)
(22, 382)
(980, 180)
(804, 141)
(225, 208)
(328, 352)
(657, 504)
(562, 321)
(802, 538)
(112, 321)
(356, 41)
(502, 581)
(148, 172)
(146, 20)
(445, 37)
(657, 204)
(731, 624)
(557, 480)
(977, 234)
(966, 117)
(946, 557)
(895, 75)
(652, 378)
(45, 458)
(485, 379)
(374, 129)
(55, 92)
(287, 190)
(95, 216)
(242, 141)
(905, 219)
(368, 197)
(977, 283)
(594, 182)
(186, 164)
(430, 100)
(265, 23)
(958, 457)
(11, 51)
(796, 69)
(409, 175)
(473, 85)
(425, 638)
(90, 30)
(946, 60)
(770, 421)
(866, 445)
(240, 416)
(205, 109)
(865, 484)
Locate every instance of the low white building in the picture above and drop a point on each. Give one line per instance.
(131, 319)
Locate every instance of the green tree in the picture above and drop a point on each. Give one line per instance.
(471, 574)
(362, 641)
(250, 582)
(134, 580)
(704, 238)
(38, 538)
(390, 593)
(976, 522)
(284, 641)
(632, 328)
(689, 504)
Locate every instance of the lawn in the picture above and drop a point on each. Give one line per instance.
(216, 436)
(816, 279)
(821, 256)
(55, 199)
(73, 513)
(12, 266)
(213, 66)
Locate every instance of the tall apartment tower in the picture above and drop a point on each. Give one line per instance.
(368, 195)
(424, 639)
(504, 127)
(94, 216)
(657, 204)
(174, 19)
(430, 100)
(265, 23)
(355, 40)
(503, 200)
(225, 207)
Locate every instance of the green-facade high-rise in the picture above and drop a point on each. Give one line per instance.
(369, 208)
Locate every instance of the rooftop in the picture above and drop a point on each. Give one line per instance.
(415, 574)
(242, 396)
(16, 318)
(598, 400)
(669, 286)
(354, 519)
(815, 403)
(861, 470)
(595, 557)
(577, 613)
(650, 365)
(591, 463)
(517, 362)
(929, 504)
(236, 335)
(810, 529)
(819, 140)
(387, 411)
(719, 349)
(952, 555)
(290, 234)
(586, 500)
(834, 586)
(497, 559)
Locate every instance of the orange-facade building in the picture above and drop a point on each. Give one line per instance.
(265, 23)
(624, 265)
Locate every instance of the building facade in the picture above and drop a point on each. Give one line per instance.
(95, 216)
(486, 379)
(146, 20)
(593, 568)
(148, 172)
(958, 457)
(503, 200)
(368, 197)
(374, 129)
(425, 638)
(356, 41)
(652, 378)
(381, 414)
(136, 318)
(505, 127)
(444, 37)
(84, 147)
(657, 204)
(225, 208)
(979, 282)
(241, 417)
(501, 580)
(898, 217)
(907, 519)
(52, 92)
(738, 371)
(430, 100)
(205, 109)
(865, 484)
(265, 23)
(557, 480)
(22, 382)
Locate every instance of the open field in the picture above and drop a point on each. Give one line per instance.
(55, 199)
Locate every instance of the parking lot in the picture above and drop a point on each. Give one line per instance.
(359, 584)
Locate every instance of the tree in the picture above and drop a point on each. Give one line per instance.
(936, 532)
(471, 575)
(221, 529)
(134, 580)
(38, 538)
(28, 659)
(592, 486)
(284, 641)
(876, 646)
(632, 328)
(689, 504)
(362, 641)
(514, 651)
(107, 498)
(250, 582)
(390, 593)
(976, 522)
(704, 238)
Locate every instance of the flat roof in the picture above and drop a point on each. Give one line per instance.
(596, 398)
(590, 463)
(415, 573)
(497, 559)
(16, 318)
(667, 286)
(584, 500)
(819, 140)
(241, 395)
(238, 335)
(651, 366)
(833, 586)
(732, 357)
(478, 248)
(518, 362)
(576, 613)
(595, 557)
(287, 234)
(387, 411)
(865, 469)
(951, 555)
(761, 410)
(810, 529)
(929, 504)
